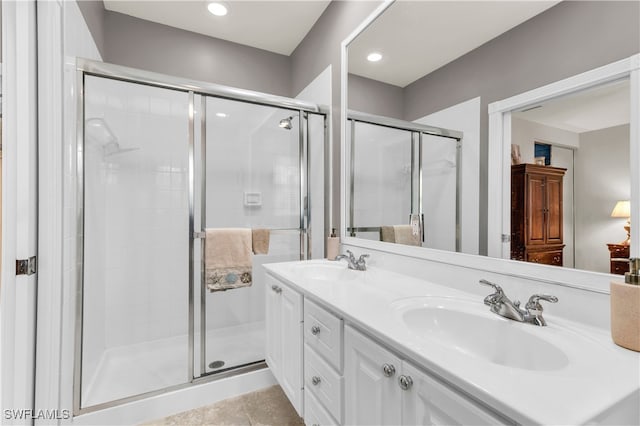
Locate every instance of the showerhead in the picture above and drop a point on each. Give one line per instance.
(98, 131)
(285, 123)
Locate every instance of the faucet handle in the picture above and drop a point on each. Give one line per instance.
(490, 284)
(363, 257)
(533, 305)
(350, 254)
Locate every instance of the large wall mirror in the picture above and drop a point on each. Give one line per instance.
(427, 86)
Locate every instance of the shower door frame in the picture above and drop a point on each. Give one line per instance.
(417, 130)
(85, 67)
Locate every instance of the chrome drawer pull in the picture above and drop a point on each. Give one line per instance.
(388, 370)
(315, 330)
(405, 382)
(315, 380)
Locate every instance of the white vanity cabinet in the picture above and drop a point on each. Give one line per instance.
(382, 389)
(341, 376)
(372, 394)
(284, 338)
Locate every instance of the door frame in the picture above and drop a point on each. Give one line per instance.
(499, 165)
(19, 209)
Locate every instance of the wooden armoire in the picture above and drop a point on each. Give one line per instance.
(536, 214)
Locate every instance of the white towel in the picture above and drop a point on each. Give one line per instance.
(227, 258)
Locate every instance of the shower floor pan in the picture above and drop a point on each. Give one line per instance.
(144, 367)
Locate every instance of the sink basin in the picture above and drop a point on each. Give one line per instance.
(325, 271)
(468, 327)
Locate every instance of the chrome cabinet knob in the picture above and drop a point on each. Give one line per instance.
(315, 330)
(388, 370)
(315, 380)
(274, 288)
(279, 290)
(405, 382)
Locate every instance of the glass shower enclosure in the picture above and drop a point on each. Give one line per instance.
(403, 172)
(160, 160)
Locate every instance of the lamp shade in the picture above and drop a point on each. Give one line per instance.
(622, 209)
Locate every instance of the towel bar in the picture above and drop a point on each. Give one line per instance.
(202, 235)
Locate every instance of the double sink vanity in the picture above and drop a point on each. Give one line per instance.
(378, 347)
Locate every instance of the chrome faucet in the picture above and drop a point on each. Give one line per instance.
(501, 305)
(357, 265)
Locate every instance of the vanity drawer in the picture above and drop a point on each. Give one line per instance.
(323, 382)
(314, 413)
(323, 332)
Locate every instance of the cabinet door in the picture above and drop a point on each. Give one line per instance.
(429, 402)
(371, 397)
(291, 379)
(535, 206)
(554, 209)
(273, 326)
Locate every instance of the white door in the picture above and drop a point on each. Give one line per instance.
(371, 396)
(291, 349)
(19, 209)
(429, 402)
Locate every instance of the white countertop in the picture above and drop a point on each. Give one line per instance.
(597, 378)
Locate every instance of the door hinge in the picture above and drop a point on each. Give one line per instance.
(26, 266)
(506, 238)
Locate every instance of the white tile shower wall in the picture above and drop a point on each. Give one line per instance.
(143, 241)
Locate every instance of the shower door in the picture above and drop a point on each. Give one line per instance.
(252, 168)
(401, 176)
(158, 162)
(133, 163)
(382, 178)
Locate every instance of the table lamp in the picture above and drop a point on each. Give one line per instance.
(623, 210)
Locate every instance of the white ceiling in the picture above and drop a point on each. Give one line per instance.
(418, 37)
(276, 26)
(599, 108)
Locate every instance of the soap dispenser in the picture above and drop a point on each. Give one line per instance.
(333, 245)
(625, 308)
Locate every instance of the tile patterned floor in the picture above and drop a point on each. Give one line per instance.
(266, 407)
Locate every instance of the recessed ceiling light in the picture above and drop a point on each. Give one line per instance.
(374, 57)
(217, 8)
(221, 114)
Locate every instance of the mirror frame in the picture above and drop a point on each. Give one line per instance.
(499, 157)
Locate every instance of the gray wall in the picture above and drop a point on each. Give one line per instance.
(319, 49)
(94, 13)
(147, 45)
(567, 39)
(133, 42)
(601, 179)
(375, 97)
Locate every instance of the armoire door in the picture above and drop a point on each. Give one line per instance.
(535, 210)
(554, 222)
